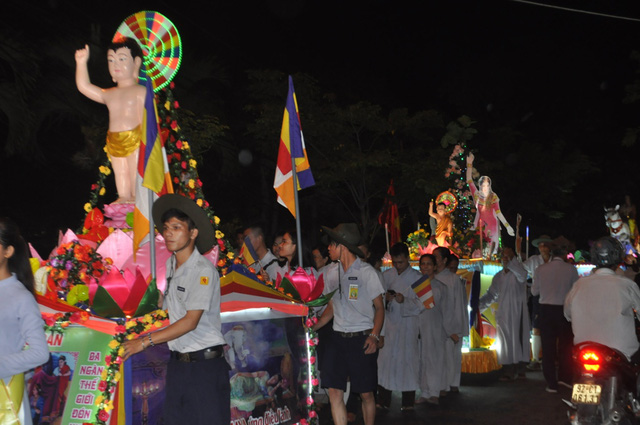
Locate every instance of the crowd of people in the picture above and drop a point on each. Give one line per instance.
(379, 336)
(375, 333)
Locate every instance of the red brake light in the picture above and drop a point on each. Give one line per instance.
(590, 360)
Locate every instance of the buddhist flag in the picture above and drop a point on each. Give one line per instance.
(153, 168)
(291, 146)
(422, 288)
(248, 253)
(390, 216)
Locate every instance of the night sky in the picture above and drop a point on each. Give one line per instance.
(557, 73)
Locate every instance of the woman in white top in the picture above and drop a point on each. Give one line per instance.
(22, 324)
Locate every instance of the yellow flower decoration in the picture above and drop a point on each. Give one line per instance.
(219, 234)
(230, 255)
(103, 375)
(185, 145)
(216, 219)
(192, 183)
(99, 400)
(113, 344)
(121, 351)
(130, 324)
(167, 105)
(105, 170)
(108, 406)
(117, 377)
(148, 318)
(102, 191)
(193, 163)
(199, 202)
(87, 207)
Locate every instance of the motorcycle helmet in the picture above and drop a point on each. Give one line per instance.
(606, 252)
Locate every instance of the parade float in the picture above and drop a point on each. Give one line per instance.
(466, 220)
(99, 287)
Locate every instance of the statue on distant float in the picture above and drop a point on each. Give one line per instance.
(618, 228)
(444, 224)
(487, 208)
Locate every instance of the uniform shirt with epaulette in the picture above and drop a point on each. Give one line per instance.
(195, 285)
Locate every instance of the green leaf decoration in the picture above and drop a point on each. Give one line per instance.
(149, 301)
(104, 305)
(290, 289)
(320, 301)
(129, 219)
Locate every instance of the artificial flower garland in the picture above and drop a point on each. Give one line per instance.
(57, 322)
(111, 374)
(311, 379)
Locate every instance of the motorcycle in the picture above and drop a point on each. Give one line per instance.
(606, 388)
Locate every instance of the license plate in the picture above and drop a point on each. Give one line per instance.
(586, 394)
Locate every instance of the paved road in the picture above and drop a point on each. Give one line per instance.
(483, 401)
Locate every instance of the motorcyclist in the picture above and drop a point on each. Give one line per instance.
(601, 306)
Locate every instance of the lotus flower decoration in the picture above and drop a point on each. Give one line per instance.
(303, 287)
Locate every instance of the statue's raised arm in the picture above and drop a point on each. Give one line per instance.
(83, 81)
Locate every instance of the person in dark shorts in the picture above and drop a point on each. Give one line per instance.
(358, 314)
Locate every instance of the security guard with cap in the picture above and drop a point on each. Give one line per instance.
(197, 383)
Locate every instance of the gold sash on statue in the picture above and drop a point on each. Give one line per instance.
(11, 394)
(123, 143)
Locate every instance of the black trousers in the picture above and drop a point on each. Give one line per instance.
(557, 343)
(198, 393)
(384, 397)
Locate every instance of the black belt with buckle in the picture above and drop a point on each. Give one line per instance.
(352, 334)
(196, 356)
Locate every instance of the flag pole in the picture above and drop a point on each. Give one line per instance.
(386, 235)
(480, 234)
(152, 237)
(297, 206)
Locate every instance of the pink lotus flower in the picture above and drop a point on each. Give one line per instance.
(302, 286)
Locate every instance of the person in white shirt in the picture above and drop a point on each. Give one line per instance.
(553, 281)
(266, 260)
(197, 384)
(358, 312)
(509, 289)
(455, 318)
(398, 365)
(530, 265)
(601, 306)
(432, 338)
(22, 324)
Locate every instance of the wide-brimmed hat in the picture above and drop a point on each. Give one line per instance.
(545, 239)
(563, 243)
(346, 234)
(206, 233)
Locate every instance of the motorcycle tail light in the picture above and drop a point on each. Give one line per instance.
(591, 360)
